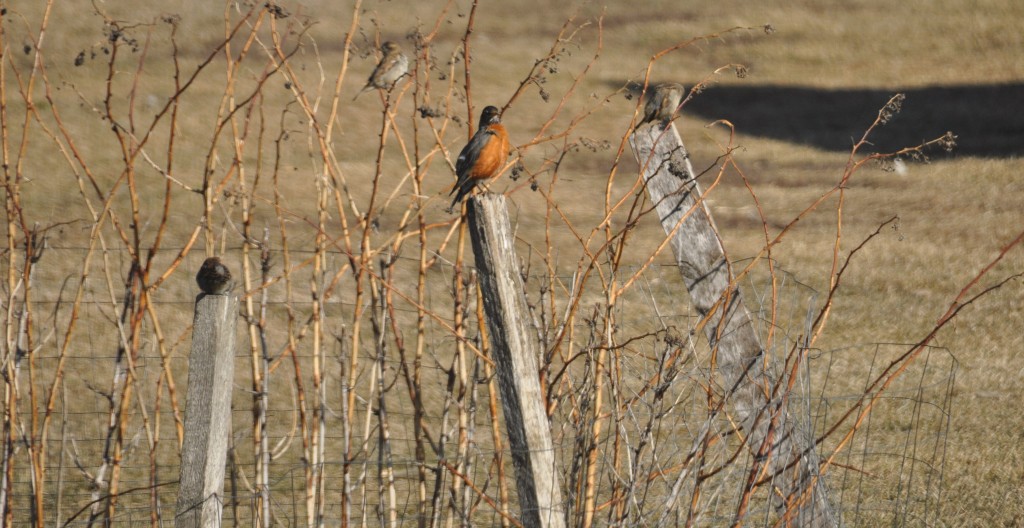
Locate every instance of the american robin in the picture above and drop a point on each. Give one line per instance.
(662, 102)
(482, 156)
(392, 66)
(214, 278)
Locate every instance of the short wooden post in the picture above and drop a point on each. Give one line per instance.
(699, 254)
(515, 355)
(207, 412)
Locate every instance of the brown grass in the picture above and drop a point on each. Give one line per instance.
(955, 212)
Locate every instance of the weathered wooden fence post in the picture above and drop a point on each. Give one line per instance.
(207, 412)
(699, 254)
(515, 356)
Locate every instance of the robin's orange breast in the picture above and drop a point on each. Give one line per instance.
(493, 155)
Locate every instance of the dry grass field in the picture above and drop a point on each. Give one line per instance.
(813, 79)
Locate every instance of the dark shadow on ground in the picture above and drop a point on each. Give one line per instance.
(987, 119)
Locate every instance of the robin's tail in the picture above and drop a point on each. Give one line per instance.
(463, 188)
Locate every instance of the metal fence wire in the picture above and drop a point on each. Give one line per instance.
(415, 452)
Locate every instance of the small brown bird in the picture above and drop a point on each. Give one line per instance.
(663, 101)
(214, 278)
(392, 66)
(483, 156)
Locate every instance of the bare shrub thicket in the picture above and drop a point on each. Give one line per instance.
(365, 393)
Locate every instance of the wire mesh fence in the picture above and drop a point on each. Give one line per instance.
(660, 437)
(364, 388)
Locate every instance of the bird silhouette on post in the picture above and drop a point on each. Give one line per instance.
(214, 278)
(483, 156)
(392, 66)
(663, 101)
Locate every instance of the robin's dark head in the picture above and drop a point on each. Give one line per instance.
(489, 116)
(389, 47)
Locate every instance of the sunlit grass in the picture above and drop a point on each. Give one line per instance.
(954, 213)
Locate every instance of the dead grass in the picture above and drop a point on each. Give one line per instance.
(954, 213)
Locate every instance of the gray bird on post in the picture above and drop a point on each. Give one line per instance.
(663, 102)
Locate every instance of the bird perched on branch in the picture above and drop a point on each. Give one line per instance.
(392, 66)
(663, 101)
(214, 278)
(483, 156)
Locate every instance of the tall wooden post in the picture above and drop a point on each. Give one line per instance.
(207, 412)
(699, 254)
(515, 354)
